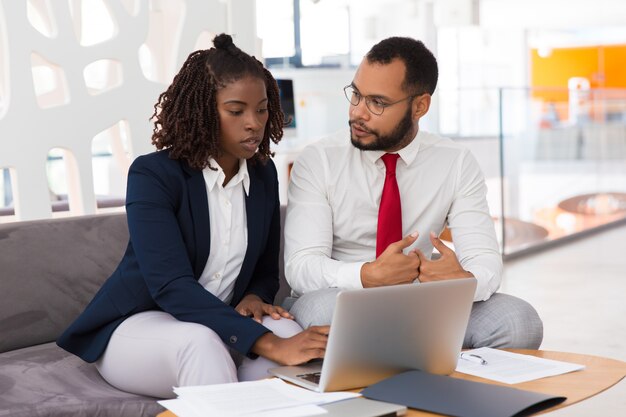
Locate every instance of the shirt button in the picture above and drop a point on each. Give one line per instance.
(233, 339)
(217, 276)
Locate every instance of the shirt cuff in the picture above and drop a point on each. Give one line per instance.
(349, 275)
(485, 286)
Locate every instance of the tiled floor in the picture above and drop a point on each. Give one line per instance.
(579, 289)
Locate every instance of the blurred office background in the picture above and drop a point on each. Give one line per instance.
(536, 89)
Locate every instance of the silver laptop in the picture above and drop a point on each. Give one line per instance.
(378, 332)
(363, 407)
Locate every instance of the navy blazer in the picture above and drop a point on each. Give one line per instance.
(168, 221)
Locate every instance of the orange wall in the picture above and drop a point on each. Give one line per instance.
(615, 66)
(603, 66)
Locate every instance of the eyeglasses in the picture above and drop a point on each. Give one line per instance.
(375, 105)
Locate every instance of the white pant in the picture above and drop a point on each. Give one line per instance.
(151, 352)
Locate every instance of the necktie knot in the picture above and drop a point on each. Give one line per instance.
(390, 160)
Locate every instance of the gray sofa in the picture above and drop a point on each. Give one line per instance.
(49, 270)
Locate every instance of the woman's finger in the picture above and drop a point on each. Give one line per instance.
(257, 314)
(281, 312)
(276, 312)
(287, 315)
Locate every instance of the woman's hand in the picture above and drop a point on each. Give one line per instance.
(304, 346)
(252, 306)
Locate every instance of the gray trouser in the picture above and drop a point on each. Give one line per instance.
(503, 321)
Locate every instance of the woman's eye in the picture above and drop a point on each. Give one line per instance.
(262, 110)
(235, 112)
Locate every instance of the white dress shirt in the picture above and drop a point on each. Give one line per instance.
(229, 230)
(332, 211)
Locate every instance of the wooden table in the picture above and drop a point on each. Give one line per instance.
(598, 375)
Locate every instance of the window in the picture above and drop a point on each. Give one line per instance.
(299, 33)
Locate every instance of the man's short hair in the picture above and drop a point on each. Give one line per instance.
(421, 65)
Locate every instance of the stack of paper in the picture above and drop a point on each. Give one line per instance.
(264, 398)
(510, 368)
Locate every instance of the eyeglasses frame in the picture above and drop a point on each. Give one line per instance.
(368, 100)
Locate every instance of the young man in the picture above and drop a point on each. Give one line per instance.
(366, 207)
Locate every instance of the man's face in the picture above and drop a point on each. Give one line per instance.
(397, 126)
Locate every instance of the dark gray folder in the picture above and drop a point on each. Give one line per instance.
(458, 397)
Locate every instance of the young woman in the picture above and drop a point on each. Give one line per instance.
(191, 300)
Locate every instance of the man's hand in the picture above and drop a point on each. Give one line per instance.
(306, 345)
(252, 306)
(392, 266)
(446, 267)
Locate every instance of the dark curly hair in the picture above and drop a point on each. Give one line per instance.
(421, 66)
(185, 117)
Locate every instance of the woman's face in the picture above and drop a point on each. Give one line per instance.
(243, 113)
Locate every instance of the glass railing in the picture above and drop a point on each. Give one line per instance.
(557, 167)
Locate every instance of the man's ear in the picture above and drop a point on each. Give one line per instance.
(421, 104)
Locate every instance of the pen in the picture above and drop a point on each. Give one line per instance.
(473, 358)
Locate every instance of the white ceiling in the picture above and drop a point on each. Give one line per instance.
(552, 14)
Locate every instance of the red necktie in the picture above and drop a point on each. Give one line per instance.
(390, 210)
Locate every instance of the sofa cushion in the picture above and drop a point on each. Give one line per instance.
(283, 290)
(46, 381)
(50, 271)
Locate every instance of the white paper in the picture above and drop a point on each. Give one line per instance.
(182, 409)
(513, 368)
(179, 407)
(299, 411)
(254, 398)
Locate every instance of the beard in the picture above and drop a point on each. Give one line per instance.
(398, 139)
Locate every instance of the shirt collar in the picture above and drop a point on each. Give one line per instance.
(213, 177)
(407, 154)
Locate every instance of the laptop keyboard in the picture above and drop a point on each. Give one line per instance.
(311, 377)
